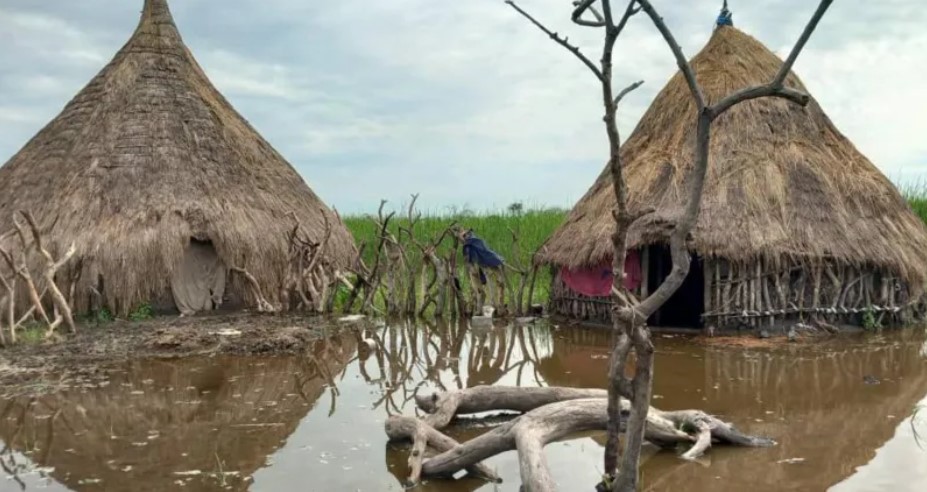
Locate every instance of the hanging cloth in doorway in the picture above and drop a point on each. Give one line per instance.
(597, 281)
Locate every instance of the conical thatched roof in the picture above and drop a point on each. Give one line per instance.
(782, 180)
(148, 155)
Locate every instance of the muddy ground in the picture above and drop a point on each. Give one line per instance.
(85, 359)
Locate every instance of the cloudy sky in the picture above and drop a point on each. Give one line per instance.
(461, 101)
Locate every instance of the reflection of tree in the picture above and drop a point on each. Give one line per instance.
(219, 417)
(491, 357)
(446, 356)
(810, 398)
(317, 369)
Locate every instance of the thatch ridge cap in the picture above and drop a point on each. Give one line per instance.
(156, 12)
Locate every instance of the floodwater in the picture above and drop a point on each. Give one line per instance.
(316, 422)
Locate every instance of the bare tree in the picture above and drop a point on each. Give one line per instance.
(629, 315)
(550, 413)
(32, 243)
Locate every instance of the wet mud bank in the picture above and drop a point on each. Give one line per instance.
(89, 356)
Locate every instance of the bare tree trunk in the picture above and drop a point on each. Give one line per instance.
(630, 317)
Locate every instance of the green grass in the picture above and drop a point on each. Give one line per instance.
(100, 317)
(531, 227)
(32, 333)
(916, 194)
(142, 313)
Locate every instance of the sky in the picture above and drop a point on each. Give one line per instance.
(462, 101)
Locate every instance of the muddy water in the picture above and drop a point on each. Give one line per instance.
(316, 422)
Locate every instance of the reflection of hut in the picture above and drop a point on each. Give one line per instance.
(794, 221)
(580, 359)
(161, 422)
(813, 402)
(161, 185)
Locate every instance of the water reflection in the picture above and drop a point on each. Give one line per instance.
(448, 357)
(315, 422)
(204, 424)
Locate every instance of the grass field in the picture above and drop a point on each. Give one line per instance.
(532, 227)
(917, 198)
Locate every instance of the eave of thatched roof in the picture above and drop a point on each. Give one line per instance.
(782, 180)
(150, 154)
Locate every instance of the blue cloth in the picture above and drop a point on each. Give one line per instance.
(476, 251)
(725, 18)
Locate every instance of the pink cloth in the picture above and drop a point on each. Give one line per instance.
(597, 281)
(632, 270)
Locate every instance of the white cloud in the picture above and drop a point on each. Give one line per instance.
(15, 115)
(873, 89)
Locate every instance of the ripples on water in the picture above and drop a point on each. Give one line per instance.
(316, 422)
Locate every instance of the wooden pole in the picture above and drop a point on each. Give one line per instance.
(718, 302)
(729, 279)
(816, 299)
(706, 276)
(645, 271)
(757, 302)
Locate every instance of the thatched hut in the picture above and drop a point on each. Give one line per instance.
(794, 222)
(160, 183)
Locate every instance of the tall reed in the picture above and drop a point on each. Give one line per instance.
(514, 234)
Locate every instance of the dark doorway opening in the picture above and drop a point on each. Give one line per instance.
(685, 308)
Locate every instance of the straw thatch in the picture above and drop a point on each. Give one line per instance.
(783, 183)
(149, 155)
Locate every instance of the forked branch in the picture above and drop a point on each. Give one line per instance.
(587, 5)
(562, 41)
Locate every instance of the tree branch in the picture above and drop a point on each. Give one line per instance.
(626, 90)
(768, 90)
(628, 13)
(775, 88)
(681, 60)
(561, 41)
(802, 40)
(581, 7)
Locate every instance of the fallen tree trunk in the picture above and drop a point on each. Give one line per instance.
(548, 414)
(423, 435)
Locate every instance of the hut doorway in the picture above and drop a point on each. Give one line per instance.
(198, 282)
(685, 308)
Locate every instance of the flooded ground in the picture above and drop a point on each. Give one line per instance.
(840, 410)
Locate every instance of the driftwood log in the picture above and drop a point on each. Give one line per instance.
(546, 415)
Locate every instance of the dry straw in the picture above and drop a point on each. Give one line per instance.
(783, 182)
(149, 155)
